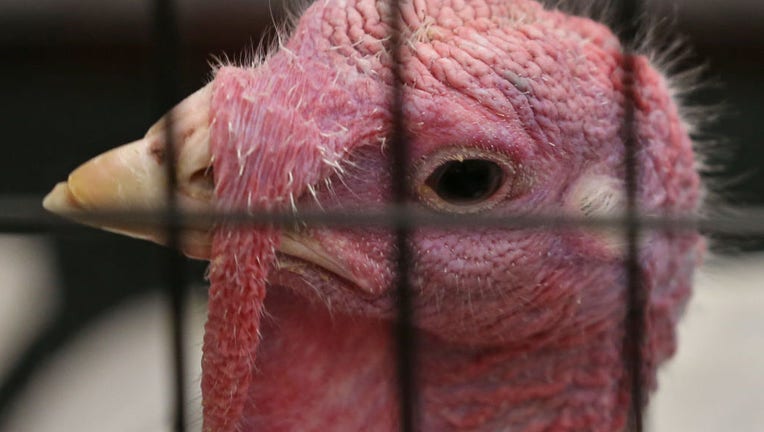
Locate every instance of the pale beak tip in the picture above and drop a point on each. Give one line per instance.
(60, 200)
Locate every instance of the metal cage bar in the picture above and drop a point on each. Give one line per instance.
(404, 332)
(24, 216)
(167, 53)
(636, 298)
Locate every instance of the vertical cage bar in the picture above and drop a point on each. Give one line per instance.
(404, 332)
(166, 39)
(636, 300)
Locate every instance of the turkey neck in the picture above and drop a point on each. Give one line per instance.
(317, 370)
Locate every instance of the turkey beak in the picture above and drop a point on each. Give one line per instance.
(133, 178)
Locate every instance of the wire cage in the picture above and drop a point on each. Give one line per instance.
(152, 67)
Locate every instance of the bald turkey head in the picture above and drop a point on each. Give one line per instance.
(510, 109)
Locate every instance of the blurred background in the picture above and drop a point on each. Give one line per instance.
(84, 333)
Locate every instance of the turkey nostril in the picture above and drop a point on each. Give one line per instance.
(201, 183)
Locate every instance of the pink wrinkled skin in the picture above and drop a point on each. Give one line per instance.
(521, 330)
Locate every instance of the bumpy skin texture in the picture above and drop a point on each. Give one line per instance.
(520, 329)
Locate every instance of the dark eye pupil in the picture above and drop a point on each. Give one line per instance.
(467, 181)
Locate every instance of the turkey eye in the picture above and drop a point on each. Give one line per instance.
(463, 179)
(467, 181)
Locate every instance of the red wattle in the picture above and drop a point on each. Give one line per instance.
(232, 332)
(258, 166)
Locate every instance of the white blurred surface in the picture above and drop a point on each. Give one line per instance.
(116, 376)
(715, 383)
(27, 297)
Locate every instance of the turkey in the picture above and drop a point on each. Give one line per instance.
(510, 108)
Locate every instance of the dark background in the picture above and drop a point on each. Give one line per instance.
(79, 77)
